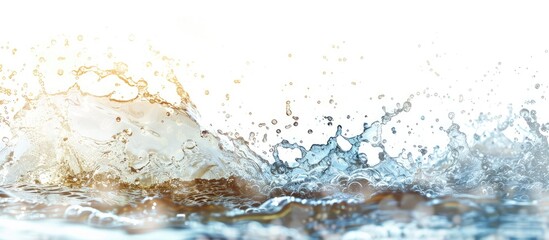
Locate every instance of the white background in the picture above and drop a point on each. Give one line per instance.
(492, 53)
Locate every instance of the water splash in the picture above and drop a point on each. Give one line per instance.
(492, 165)
(114, 148)
(145, 131)
(109, 125)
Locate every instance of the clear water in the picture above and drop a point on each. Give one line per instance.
(98, 149)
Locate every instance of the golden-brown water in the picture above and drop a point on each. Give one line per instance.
(192, 209)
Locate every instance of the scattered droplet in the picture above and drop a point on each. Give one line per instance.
(525, 113)
(407, 106)
(288, 110)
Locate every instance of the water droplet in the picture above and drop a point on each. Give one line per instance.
(524, 113)
(251, 137)
(5, 139)
(128, 131)
(451, 115)
(274, 121)
(407, 106)
(288, 110)
(118, 119)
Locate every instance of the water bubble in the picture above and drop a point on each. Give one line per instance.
(274, 121)
(189, 144)
(451, 115)
(537, 86)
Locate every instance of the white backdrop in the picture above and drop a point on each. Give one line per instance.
(464, 57)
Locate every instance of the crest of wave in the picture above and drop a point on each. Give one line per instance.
(109, 127)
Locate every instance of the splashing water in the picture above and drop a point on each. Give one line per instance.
(124, 152)
(493, 165)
